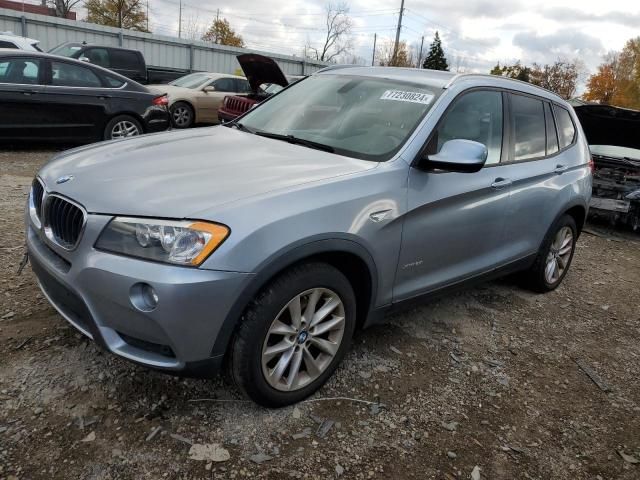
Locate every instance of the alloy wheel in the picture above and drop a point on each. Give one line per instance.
(559, 255)
(303, 339)
(123, 129)
(181, 116)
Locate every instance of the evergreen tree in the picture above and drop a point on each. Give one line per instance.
(435, 58)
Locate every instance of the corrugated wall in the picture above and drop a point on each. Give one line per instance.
(158, 50)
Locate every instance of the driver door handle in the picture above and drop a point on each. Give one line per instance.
(500, 183)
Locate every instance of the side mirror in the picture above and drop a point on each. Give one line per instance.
(457, 155)
(84, 59)
(209, 88)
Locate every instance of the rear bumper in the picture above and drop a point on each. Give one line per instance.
(92, 291)
(156, 119)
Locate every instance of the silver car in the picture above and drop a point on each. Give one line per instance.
(261, 246)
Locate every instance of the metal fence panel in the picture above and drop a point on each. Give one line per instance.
(158, 50)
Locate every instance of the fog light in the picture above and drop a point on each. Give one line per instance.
(143, 297)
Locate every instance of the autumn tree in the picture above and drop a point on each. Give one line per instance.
(62, 8)
(220, 32)
(560, 77)
(517, 71)
(337, 34)
(402, 58)
(617, 81)
(435, 58)
(129, 14)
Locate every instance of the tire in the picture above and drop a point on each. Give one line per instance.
(538, 277)
(182, 115)
(122, 126)
(250, 361)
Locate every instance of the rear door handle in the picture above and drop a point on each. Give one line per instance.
(560, 169)
(28, 92)
(500, 183)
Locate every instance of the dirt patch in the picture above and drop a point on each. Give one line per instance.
(483, 378)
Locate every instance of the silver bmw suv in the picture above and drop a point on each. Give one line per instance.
(262, 245)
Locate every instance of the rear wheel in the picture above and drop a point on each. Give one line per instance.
(555, 256)
(294, 335)
(182, 115)
(122, 126)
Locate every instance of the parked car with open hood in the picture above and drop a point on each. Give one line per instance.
(263, 246)
(196, 98)
(60, 99)
(614, 139)
(265, 79)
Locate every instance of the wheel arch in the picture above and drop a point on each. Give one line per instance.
(348, 256)
(134, 115)
(189, 104)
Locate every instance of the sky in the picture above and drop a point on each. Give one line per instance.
(475, 34)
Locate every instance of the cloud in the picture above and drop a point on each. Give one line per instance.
(563, 43)
(570, 15)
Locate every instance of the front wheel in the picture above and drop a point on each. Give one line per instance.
(294, 335)
(122, 126)
(555, 256)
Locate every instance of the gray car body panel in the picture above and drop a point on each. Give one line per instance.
(417, 231)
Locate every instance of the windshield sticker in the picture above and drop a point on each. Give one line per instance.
(413, 97)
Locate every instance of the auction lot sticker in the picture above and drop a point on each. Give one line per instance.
(413, 97)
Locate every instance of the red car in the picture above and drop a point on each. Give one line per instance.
(265, 78)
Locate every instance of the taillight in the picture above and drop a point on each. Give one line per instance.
(161, 101)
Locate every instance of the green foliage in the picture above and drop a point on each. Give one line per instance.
(435, 58)
(220, 32)
(129, 14)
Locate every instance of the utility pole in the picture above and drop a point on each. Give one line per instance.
(373, 57)
(180, 21)
(420, 56)
(395, 46)
(147, 15)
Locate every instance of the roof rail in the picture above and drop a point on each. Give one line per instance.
(336, 67)
(488, 75)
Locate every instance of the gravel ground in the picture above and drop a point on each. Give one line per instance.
(482, 384)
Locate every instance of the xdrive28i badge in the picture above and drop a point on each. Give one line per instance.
(64, 179)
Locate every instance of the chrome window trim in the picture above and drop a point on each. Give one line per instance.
(47, 229)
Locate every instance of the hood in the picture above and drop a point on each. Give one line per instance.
(607, 125)
(260, 69)
(181, 174)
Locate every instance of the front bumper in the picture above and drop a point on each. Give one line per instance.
(92, 290)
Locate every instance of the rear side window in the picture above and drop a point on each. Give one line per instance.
(475, 116)
(114, 82)
(566, 128)
(69, 75)
(552, 135)
(528, 127)
(124, 60)
(20, 71)
(4, 44)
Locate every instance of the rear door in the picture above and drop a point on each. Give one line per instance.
(76, 100)
(21, 85)
(539, 170)
(454, 227)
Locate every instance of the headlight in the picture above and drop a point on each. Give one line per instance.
(179, 242)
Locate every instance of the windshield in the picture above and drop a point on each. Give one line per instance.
(193, 80)
(65, 50)
(361, 117)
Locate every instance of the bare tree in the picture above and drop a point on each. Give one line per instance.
(337, 41)
(63, 7)
(191, 28)
(560, 77)
(388, 56)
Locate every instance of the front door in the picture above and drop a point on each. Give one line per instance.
(209, 102)
(21, 113)
(454, 226)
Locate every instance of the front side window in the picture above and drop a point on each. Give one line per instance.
(242, 86)
(69, 75)
(361, 117)
(21, 71)
(98, 56)
(475, 116)
(225, 85)
(528, 127)
(566, 129)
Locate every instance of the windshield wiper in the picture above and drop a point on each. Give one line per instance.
(297, 141)
(239, 126)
